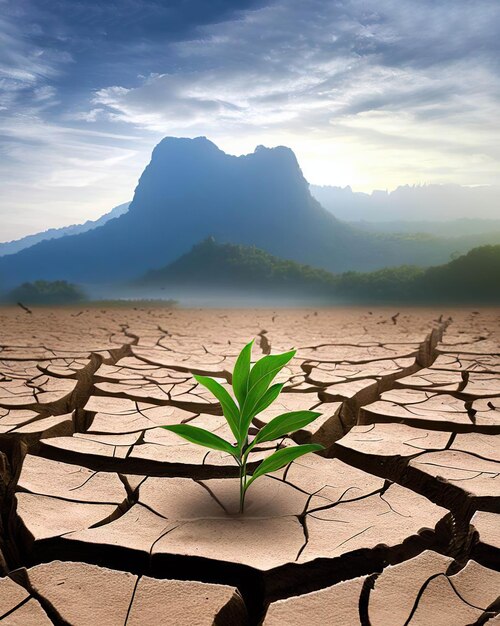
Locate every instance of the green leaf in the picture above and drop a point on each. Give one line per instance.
(269, 365)
(241, 373)
(261, 376)
(269, 397)
(229, 408)
(202, 437)
(283, 457)
(284, 424)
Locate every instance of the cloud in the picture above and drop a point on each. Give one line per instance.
(61, 160)
(415, 84)
(56, 175)
(372, 93)
(25, 67)
(309, 63)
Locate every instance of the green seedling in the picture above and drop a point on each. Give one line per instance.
(253, 393)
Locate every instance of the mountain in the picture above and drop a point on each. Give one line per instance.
(469, 279)
(11, 247)
(228, 269)
(210, 265)
(411, 203)
(464, 227)
(191, 189)
(473, 277)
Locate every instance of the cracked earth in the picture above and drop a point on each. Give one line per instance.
(106, 518)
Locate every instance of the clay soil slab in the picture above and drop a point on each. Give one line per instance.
(485, 446)
(88, 392)
(322, 510)
(54, 498)
(475, 479)
(386, 448)
(336, 606)
(488, 527)
(385, 440)
(80, 594)
(28, 614)
(209, 364)
(487, 548)
(469, 384)
(423, 591)
(425, 409)
(466, 362)
(109, 415)
(11, 595)
(23, 386)
(457, 472)
(358, 348)
(186, 603)
(13, 419)
(52, 426)
(325, 374)
(69, 482)
(481, 347)
(153, 450)
(389, 518)
(417, 592)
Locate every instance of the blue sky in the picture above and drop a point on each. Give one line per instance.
(371, 93)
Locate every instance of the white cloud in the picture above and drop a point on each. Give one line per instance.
(396, 92)
(371, 93)
(68, 175)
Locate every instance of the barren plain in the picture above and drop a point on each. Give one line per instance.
(105, 518)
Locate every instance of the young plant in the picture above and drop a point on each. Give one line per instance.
(253, 393)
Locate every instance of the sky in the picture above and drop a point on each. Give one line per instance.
(368, 93)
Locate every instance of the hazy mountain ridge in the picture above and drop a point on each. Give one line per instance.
(464, 227)
(191, 189)
(211, 267)
(11, 247)
(411, 202)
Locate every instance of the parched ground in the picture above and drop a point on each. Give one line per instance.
(105, 518)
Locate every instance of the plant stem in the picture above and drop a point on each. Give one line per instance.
(243, 476)
(242, 486)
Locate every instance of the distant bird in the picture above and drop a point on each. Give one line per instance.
(25, 308)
